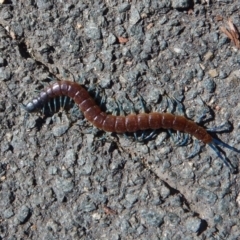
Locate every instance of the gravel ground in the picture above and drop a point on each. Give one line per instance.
(60, 178)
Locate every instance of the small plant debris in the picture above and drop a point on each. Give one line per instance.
(232, 33)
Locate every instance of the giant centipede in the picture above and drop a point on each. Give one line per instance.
(129, 123)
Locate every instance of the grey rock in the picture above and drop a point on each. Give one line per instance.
(44, 4)
(210, 85)
(193, 224)
(8, 213)
(60, 129)
(5, 74)
(134, 15)
(152, 218)
(206, 195)
(23, 214)
(70, 158)
(93, 31)
(124, 7)
(181, 4)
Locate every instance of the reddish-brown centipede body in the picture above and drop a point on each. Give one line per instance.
(122, 124)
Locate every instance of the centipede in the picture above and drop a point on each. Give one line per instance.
(129, 123)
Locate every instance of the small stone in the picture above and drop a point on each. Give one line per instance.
(5, 74)
(92, 31)
(88, 206)
(52, 170)
(2, 62)
(44, 4)
(23, 214)
(208, 56)
(131, 198)
(8, 213)
(70, 157)
(209, 85)
(111, 39)
(172, 219)
(105, 82)
(181, 4)
(134, 16)
(152, 218)
(59, 130)
(205, 195)
(193, 224)
(213, 73)
(124, 7)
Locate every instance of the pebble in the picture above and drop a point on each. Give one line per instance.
(152, 218)
(193, 224)
(205, 195)
(92, 31)
(208, 56)
(209, 85)
(5, 74)
(23, 214)
(124, 7)
(213, 73)
(60, 129)
(70, 158)
(134, 15)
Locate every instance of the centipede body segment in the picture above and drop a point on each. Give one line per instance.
(122, 124)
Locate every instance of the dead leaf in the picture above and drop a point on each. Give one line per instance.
(109, 211)
(122, 40)
(232, 33)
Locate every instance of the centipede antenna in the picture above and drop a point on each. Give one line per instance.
(222, 157)
(196, 149)
(220, 143)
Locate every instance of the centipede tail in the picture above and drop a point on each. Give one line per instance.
(129, 123)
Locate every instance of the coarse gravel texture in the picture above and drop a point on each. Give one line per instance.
(61, 178)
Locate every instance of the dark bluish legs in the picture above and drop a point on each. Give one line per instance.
(214, 145)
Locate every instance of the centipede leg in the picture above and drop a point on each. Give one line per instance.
(49, 106)
(55, 104)
(143, 103)
(179, 139)
(196, 149)
(170, 103)
(223, 157)
(65, 101)
(26, 115)
(60, 101)
(226, 126)
(51, 79)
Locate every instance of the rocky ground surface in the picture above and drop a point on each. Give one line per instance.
(60, 178)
